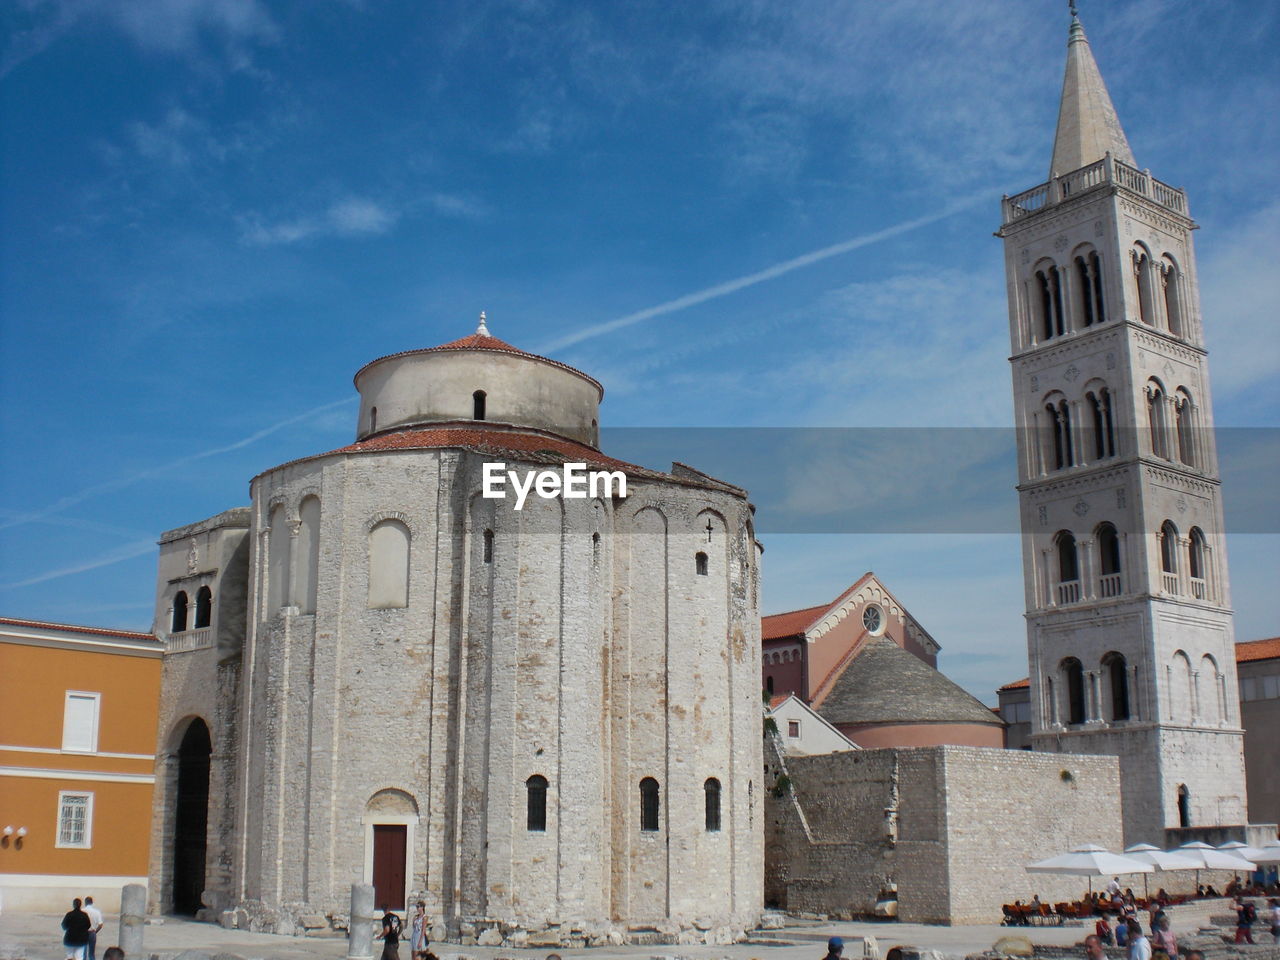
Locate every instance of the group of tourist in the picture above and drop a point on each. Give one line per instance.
(80, 929)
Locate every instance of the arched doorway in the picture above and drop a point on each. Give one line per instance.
(191, 818)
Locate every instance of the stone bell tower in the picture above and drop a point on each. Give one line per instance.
(1129, 622)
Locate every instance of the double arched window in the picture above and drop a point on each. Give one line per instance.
(1169, 557)
(1047, 297)
(1186, 421)
(1104, 430)
(1158, 419)
(1088, 285)
(1061, 451)
(1197, 564)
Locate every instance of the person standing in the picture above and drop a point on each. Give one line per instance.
(95, 924)
(1093, 948)
(1113, 888)
(390, 935)
(1275, 919)
(1102, 929)
(835, 947)
(1139, 945)
(75, 927)
(1165, 940)
(1245, 915)
(418, 933)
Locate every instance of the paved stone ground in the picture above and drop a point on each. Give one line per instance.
(37, 937)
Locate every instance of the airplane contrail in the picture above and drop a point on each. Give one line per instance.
(120, 482)
(751, 279)
(126, 552)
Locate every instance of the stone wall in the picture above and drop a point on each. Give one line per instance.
(952, 827)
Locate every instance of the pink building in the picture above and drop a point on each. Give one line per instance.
(865, 665)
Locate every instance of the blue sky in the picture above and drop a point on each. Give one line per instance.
(215, 211)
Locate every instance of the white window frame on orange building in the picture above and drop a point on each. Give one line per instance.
(96, 700)
(87, 840)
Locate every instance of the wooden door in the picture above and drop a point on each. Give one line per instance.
(389, 848)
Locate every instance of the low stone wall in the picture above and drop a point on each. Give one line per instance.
(952, 827)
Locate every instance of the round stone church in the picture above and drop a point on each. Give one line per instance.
(537, 713)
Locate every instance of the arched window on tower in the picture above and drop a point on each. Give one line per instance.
(1185, 421)
(1143, 275)
(1088, 287)
(1169, 557)
(204, 607)
(1047, 294)
(1184, 806)
(1118, 680)
(1104, 431)
(373, 419)
(1068, 568)
(1171, 282)
(1198, 566)
(1157, 419)
(536, 791)
(1073, 681)
(1109, 582)
(477, 405)
(488, 546)
(700, 563)
(1061, 453)
(711, 792)
(650, 805)
(180, 602)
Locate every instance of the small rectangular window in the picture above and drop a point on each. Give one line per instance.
(80, 722)
(1270, 687)
(75, 820)
(793, 728)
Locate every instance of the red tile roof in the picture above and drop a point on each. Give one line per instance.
(1252, 650)
(779, 625)
(776, 700)
(479, 341)
(1017, 684)
(73, 628)
(528, 445)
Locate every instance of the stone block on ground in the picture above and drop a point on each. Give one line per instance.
(1012, 946)
(490, 938)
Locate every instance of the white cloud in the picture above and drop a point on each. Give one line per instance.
(173, 27)
(348, 217)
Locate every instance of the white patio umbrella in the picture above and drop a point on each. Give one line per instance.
(1211, 858)
(1269, 852)
(1240, 849)
(1160, 860)
(1090, 860)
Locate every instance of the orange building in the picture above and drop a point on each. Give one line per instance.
(78, 715)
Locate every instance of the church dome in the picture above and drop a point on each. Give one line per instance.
(477, 378)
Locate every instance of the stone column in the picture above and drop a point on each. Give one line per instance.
(133, 918)
(360, 927)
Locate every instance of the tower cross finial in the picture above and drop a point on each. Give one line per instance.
(482, 330)
(1071, 5)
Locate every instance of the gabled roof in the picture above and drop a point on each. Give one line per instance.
(886, 684)
(778, 626)
(1088, 127)
(805, 622)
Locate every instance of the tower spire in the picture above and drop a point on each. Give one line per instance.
(1088, 127)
